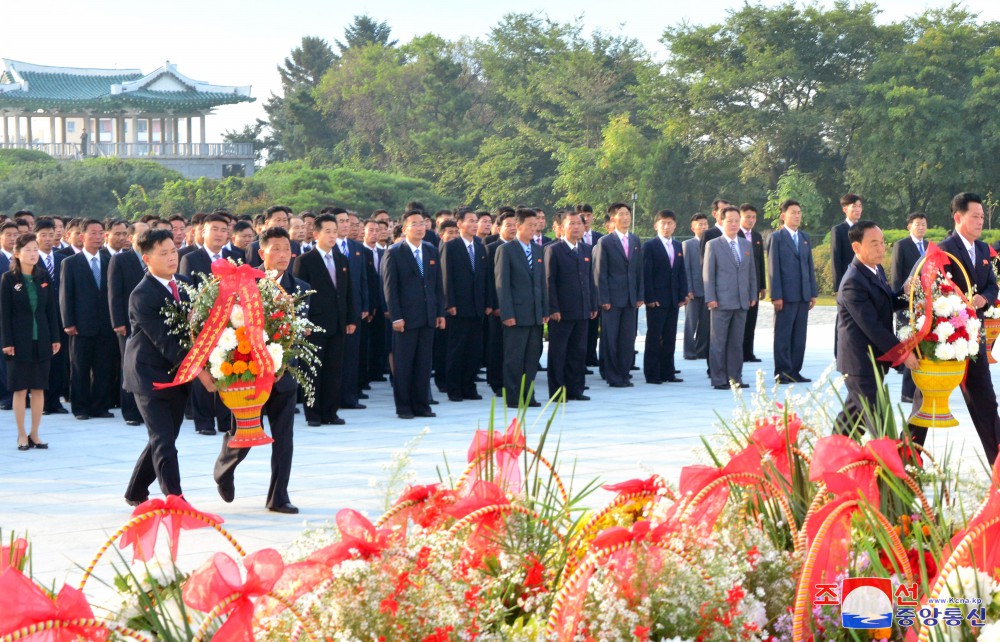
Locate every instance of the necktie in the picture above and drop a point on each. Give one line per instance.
(670, 251)
(50, 267)
(173, 290)
(527, 255)
(972, 255)
(795, 241)
(95, 268)
(216, 257)
(920, 246)
(736, 252)
(343, 247)
(586, 238)
(625, 245)
(472, 255)
(420, 261)
(331, 267)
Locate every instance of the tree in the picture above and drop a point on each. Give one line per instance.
(364, 31)
(307, 63)
(252, 134)
(798, 186)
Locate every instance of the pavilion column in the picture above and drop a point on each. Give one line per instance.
(202, 117)
(163, 130)
(189, 128)
(52, 132)
(17, 129)
(62, 121)
(134, 126)
(30, 136)
(6, 130)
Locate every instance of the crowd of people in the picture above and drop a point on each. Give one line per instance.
(440, 300)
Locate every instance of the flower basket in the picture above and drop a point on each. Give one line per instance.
(992, 327)
(246, 414)
(936, 380)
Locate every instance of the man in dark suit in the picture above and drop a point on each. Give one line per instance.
(124, 274)
(572, 304)
(977, 389)
(275, 216)
(865, 305)
(730, 290)
(240, 238)
(590, 238)
(697, 322)
(414, 294)
(840, 245)
(196, 228)
(331, 308)
(48, 258)
(377, 351)
(83, 297)
(540, 238)
(666, 289)
(618, 276)
(8, 235)
(792, 277)
(523, 300)
(210, 414)
(280, 406)
(906, 252)
(718, 206)
(465, 274)
(507, 224)
(152, 353)
(358, 273)
(748, 219)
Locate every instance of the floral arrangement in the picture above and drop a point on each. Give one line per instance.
(506, 552)
(232, 359)
(942, 322)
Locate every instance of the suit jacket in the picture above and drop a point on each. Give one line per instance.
(904, 256)
(197, 262)
(67, 251)
(235, 254)
(864, 318)
(980, 272)
(375, 299)
(57, 260)
(841, 252)
(491, 284)
(571, 288)
(545, 240)
(16, 316)
(692, 266)
(732, 286)
(521, 291)
(411, 297)
(358, 272)
(124, 273)
(710, 234)
(4, 263)
(253, 253)
(619, 279)
(187, 249)
(291, 285)
(331, 308)
(430, 236)
(595, 236)
(152, 352)
(791, 274)
(83, 304)
(664, 284)
(757, 241)
(465, 288)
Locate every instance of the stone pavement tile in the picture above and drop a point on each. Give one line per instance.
(69, 498)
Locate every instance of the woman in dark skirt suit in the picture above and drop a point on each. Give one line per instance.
(29, 333)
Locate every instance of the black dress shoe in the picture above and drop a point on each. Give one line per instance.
(588, 371)
(801, 379)
(26, 446)
(336, 421)
(433, 402)
(58, 410)
(362, 395)
(579, 398)
(6, 406)
(206, 431)
(454, 398)
(475, 397)
(782, 379)
(426, 414)
(356, 406)
(674, 380)
(618, 385)
(227, 491)
(136, 502)
(132, 422)
(298, 410)
(655, 382)
(379, 379)
(721, 387)
(534, 404)
(287, 509)
(404, 415)
(40, 445)
(741, 385)
(314, 424)
(81, 417)
(103, 415)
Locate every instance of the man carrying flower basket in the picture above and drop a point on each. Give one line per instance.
(974, 255)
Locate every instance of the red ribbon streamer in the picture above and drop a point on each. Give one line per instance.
(234, 281)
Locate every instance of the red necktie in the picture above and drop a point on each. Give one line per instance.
(173, 290)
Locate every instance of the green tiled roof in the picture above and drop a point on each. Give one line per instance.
(62, 89)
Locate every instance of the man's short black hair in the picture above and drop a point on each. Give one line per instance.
(410, 213)
(149, 239)
(44, 223)
(445, 224)
(198, 218)
(215, 218)
(23, 213)
(912, 216)
(857, 232)
(729, 208)
(323, 218)
(274, 209)
(333, 211)
(7, 225)
(748, 207)
(273, 233)
(584, 207)
(504, 215)
(961, 202)
(849, 199)
(239, 226)
(523, 214)
(178, 217)
(614, 207)
(698, 216)
(465, 211)
(484, 214)
(87, 222)
(718, 203)
(663, 215)
(414, 205)
(788, 202)
(110, 223)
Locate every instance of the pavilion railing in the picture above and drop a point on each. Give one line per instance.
(139, 150)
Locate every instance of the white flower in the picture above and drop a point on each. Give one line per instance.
(228, 340)
(966, 581)
(945, 352)
(236, 316)
(990, 633)
(992, 312)
(972, 327)
(961, 349)
(942, 307)
(957, 305)
(276, 352)
(944, 330)
(921, 320)
(904, 332)
(217, 356)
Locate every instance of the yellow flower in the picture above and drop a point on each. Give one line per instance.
(240, 367)
(227, 368)
(254, 368)
(244, 347)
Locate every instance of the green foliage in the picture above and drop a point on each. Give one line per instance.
(11, 158)
(793, 184)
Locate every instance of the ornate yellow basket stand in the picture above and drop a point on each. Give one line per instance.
(936, 379)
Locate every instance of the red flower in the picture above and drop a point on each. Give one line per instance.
(641, 633)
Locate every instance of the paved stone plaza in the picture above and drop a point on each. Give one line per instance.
(69, 498)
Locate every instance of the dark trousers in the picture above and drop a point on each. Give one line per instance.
(440, 358)
(697, 329)
(126, 400)
(857, 415)
(349, 385)
(58, 378)
(464, 344)
(208, 410)
(280, 413)
(163, 415)
(92, 366)
(593, 332)
(6, 397)
(790, 325)
(661, 341)
(980, 399)
(725, 350)
(327, 385)
(377, 347)
(494, 362)
(365, 330)
(114, 389)
(522, 348)
(411, 356)
(567, 356)
(618, 328)
(749, 332)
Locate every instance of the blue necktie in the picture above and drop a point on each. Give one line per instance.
(920, 246)
(527, 253)
(95, 267)
(50, 267)
(795, 240)
(736, 253)
(472, 256)
(420, 261)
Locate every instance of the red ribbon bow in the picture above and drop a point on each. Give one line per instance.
(697, 477)
(13, 555)
(220, 579)
(776, 437)
(23, 603)
(833, 453)
(651, 485)
(143, 535)
(486, 442)
(358, 539)
(234, 281)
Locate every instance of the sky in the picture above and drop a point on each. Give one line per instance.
(242, 42)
